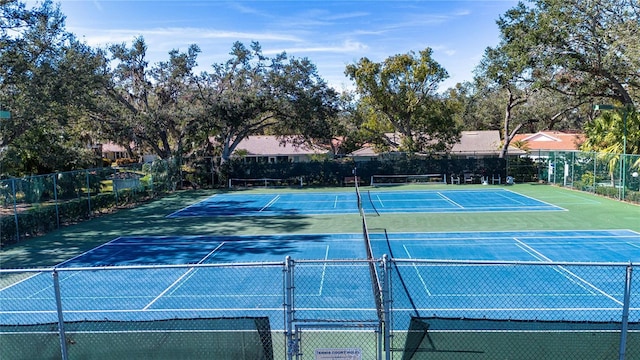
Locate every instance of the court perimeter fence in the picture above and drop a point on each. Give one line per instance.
(312, 309)
(612, 175)
(35, 205)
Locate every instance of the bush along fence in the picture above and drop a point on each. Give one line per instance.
(38, 204)
(334, 172)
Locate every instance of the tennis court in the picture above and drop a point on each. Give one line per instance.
(256, 289)
(462, 277)
(331, 203)
(134, 294)
(225, 263)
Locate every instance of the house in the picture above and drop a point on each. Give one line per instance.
(481, 143)
(114, 152)
(472, 144)
(271, 149)
(542, 143)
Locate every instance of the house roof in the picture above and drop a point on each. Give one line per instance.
(485, 142)
(112, 147)
(551, 140)
(482, 142)
(268, 145)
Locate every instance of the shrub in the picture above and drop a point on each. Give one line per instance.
(126, 161)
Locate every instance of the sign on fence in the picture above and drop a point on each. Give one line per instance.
(339, 354)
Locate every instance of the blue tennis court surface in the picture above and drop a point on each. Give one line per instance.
(428, 201)
(516, 291)
(255, 289)
(558, 246)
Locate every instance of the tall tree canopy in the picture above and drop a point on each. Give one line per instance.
(251, 93)
(402, 92)
(150, 106)
(573, 52)
(579, 48)
(47, 82)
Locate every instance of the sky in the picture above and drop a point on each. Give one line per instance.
(332, 34)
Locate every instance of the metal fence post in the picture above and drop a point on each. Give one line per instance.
(292, 346)
(625, 312)
(55, 198)
(595, 170)
(15, 209)
(88, 191)
(63, 339)
(386, 303)
(114, 187)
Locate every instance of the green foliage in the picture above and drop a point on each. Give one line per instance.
(42, 218)
(48, 80)
(126, 161)
(550, 40)
(401, 93)
(252, 94)
(332, 173)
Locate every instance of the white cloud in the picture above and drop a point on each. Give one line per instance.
(347, 46)
(177, 34)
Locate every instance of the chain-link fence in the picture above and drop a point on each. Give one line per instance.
(323, 309)
(613, 175)
(38, 204)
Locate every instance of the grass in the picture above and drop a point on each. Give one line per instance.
(584, 211)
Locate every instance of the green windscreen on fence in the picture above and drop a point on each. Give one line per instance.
(451, 338)
(204, 338)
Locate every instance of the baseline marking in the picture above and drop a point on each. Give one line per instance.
(192, 205)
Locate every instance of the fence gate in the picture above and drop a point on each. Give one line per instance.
(344, 341)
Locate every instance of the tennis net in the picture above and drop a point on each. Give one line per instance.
(359, 198)
(373, 269)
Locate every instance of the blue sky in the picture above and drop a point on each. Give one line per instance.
(332, 34)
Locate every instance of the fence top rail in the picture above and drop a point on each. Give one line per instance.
(319, 261)
(335, 261)
(506, 262)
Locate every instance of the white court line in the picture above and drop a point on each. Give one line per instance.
(580, 279)
(192, 205)
(424, 284)
(335, 202)
(324, 269)
(538, 200)
(380, 200)
(171, 287)
(508, 198)
(449, 200)
(270, 203)
(88, 251)
(33, 296)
